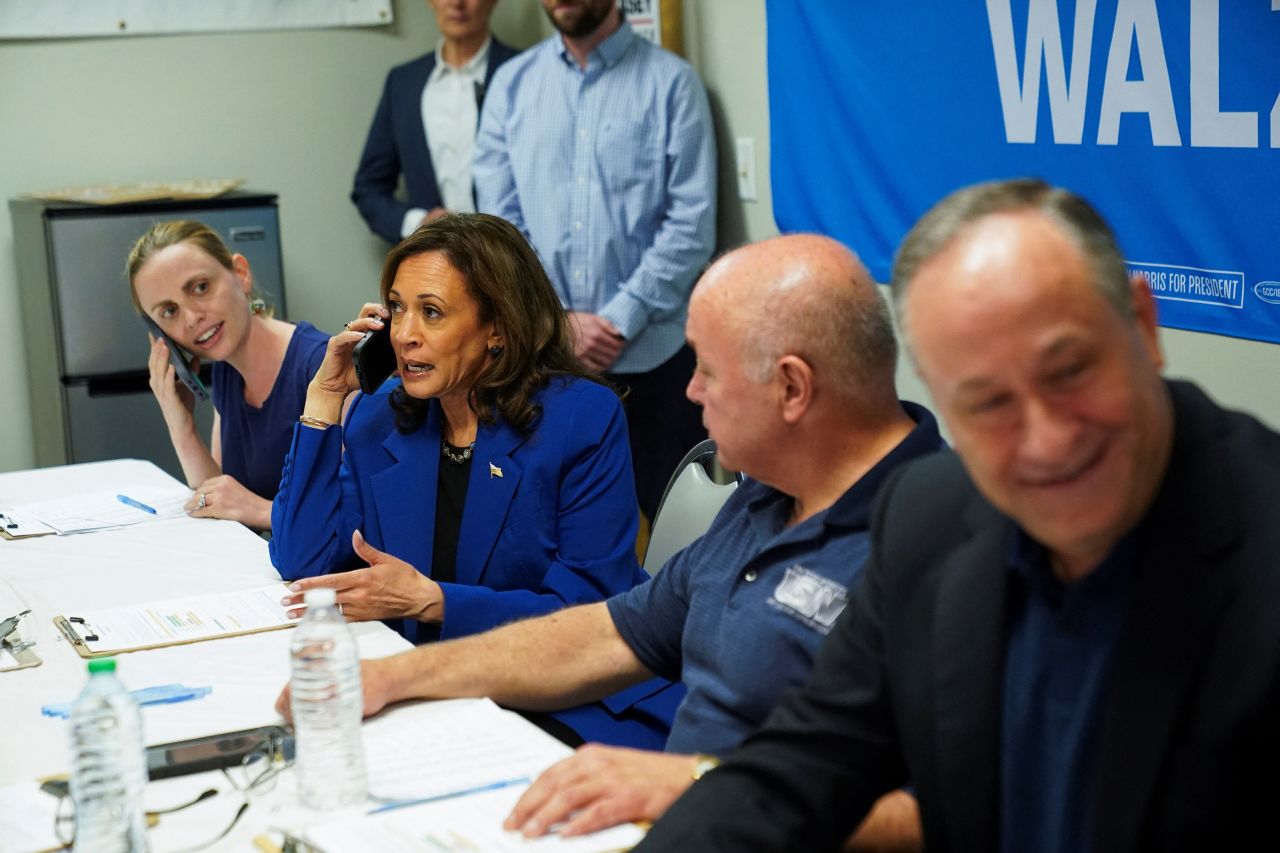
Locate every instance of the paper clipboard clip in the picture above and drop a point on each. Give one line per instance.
(12, 642)
(21, 652)
(78, 642)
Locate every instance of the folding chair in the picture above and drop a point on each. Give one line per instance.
(695, 493)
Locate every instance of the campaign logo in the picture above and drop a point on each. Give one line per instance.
(1178, 283)
(1268, 291)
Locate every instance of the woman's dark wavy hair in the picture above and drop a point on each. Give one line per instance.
(506, 279)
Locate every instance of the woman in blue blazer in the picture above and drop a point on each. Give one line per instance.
(490, 481)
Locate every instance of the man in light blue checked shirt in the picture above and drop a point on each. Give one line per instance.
(599, 146)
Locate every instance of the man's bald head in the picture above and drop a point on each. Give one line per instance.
(806, 295)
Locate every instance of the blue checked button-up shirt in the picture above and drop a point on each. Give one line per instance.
(611, 174)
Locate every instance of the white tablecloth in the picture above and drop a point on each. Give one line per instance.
(58, 575)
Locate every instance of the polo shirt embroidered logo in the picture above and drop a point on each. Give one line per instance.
(816, 600)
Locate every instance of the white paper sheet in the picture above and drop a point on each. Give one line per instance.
(178, 620)
(439, 748)
(99, 510)
(16, 525)
(26, 818)
(469, 823)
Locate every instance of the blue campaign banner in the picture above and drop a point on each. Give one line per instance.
(1165, 114)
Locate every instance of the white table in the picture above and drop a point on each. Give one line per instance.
(55, 575)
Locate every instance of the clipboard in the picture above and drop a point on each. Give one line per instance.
(21, 653)
(12, 527)
(81, 644)
(171, 629)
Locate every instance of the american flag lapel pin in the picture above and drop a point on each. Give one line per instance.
(494, 471)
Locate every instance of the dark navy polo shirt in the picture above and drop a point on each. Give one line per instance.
(1057, 676)
(739, 614)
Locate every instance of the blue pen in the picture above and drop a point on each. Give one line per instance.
(128, 501)
(163, 694)
(492, 786)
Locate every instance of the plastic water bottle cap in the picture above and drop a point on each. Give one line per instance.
(320, 597)
(102, 665)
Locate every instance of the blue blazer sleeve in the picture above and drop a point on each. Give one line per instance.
(317, 507)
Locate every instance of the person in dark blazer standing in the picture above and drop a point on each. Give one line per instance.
(425, 125)
(1066, 638)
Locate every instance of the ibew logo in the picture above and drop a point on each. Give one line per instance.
(1268, 291)
(813, 598)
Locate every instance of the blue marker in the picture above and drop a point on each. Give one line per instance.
(128, 501)
(492, 786)
(164, 694)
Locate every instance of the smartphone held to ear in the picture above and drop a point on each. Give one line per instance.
(374, 358)
(179, 360)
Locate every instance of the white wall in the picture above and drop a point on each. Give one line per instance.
(289, 110)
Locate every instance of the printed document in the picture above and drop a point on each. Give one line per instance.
(459, 745)
(123, 506)
(444, 775)
(182, 620)
(472, 823)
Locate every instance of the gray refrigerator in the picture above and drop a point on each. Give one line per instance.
(86, 347)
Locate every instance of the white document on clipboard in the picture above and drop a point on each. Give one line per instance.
(18, 525)
(124, 506)
(174, 621)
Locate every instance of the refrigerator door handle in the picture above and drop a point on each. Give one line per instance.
(247, 233)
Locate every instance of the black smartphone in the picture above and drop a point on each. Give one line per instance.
(179, 359)
(374, 358)
(216, 751)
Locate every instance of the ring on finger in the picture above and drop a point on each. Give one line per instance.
(346, 326)
(203, 502)
(339, 608)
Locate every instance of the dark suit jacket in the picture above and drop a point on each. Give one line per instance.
(907, 687)
(397, 144)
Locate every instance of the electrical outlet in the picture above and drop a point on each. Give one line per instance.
(745, 146)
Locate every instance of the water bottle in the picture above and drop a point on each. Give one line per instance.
(327, 701)
(108, 765)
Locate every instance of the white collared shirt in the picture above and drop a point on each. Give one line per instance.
(449, 114)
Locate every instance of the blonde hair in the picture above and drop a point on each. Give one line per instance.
(162, 235)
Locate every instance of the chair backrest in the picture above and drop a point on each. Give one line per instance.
(695, 493)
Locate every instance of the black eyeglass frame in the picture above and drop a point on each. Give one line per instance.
(261, 767)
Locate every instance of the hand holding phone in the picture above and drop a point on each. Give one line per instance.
(179, 359)
(374, 359)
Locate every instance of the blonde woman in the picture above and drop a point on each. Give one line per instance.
(200, 295)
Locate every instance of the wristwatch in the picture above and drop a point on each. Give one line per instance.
(704, 765)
